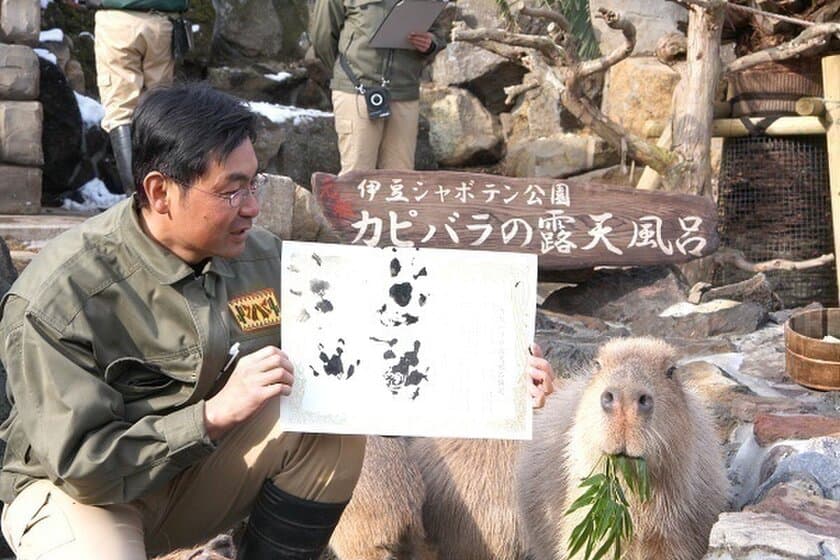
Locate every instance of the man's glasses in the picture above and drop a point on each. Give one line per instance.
(237, 198)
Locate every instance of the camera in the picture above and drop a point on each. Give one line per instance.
(378, 101)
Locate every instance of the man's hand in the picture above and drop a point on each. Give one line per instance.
(422, 41)
(257, 378)
(541, 374)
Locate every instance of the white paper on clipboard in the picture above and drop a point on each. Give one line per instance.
(406, 16)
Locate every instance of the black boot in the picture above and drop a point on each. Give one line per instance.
(285, 527)
(121, 144)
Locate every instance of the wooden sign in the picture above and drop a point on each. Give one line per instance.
(567, 223)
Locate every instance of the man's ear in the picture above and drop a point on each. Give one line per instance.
(156, 186)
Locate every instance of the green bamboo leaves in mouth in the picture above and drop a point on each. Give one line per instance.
(608, 523)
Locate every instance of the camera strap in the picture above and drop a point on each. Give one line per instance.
(345, 65)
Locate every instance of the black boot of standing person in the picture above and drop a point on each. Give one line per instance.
(285, 527)
(121, 144)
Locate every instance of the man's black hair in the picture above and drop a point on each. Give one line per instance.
(178, 130)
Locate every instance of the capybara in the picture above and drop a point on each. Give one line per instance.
(469, 512)
(632, 404)
(383, 520)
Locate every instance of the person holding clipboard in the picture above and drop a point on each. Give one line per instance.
(377, 50)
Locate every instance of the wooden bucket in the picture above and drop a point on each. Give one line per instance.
(810, 360)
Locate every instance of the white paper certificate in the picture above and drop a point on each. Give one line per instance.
(414, 342)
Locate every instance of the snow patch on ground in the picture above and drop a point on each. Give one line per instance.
(684, 309)
(46, 55)
(95, 196)
(281, 113)
(92, 111)
(54, 35)
(279, 76)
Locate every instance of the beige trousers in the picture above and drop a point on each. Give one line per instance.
(133, 54)
(44, 523)
(375, 144)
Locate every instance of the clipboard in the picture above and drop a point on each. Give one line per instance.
(404, 17)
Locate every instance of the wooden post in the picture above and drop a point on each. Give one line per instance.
(831, 94)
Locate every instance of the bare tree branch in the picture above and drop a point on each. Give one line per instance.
(712, 4)
(542, 44)
(614, 21)
(812, 40)
(515, 91)
(736, 258)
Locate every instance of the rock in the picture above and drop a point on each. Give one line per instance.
(770, 428)
(651, 20)
(740, 318)
(291, 212)
(480, 13)
(638, 90)
(481, 72)
(622, 296)
(817, 515)
(253, 82)
(75, 75)
(18, 73)
(298, 147)
(20, 132)
(820, 468)
(560, 155)
(461, 130)
(20, 189)
(756, 289)
(20, 22)
(769, 536)
(538, 113)
(248, 30)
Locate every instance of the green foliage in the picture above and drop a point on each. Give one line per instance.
(608, 523)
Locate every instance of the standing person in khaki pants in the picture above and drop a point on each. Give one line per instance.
(134, 429)
(133, 50)
(345, 27)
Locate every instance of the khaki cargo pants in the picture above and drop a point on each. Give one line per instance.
(133, 54)
(44, 523)
(375, 144)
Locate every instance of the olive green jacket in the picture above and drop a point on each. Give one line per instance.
(112, 343)
(347, 26)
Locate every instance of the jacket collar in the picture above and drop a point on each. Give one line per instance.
(162, 263)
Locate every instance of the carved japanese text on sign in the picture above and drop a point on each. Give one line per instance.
(569, 224)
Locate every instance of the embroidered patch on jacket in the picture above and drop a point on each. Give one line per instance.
(256, 310)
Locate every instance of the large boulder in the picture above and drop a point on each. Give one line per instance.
(295, 143)
(461, 130)
(638, 90)
(246, 30)
(559, 155)
(20, 132)
(20, 22)
(483, 73)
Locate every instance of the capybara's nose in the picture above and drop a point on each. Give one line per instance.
(644, 404)
(609, 400)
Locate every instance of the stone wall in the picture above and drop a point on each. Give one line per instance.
(21, 116)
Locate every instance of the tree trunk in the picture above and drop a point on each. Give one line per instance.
(693, 124)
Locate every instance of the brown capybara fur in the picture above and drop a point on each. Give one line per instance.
(383, 520)
(469, 512)
(632, 404)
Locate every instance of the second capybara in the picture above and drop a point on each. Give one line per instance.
(633, 404)
(383, 520)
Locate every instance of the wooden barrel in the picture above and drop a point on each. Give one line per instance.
(810, 360)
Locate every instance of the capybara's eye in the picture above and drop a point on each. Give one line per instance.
(645, 403)
(607, 400)
(670, 372)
